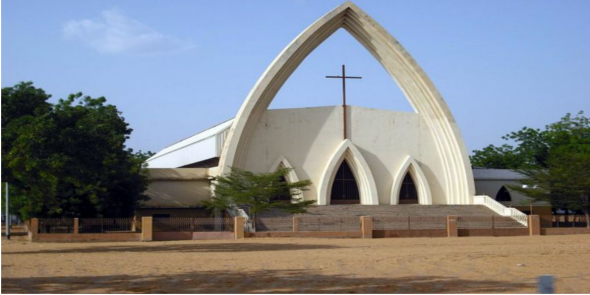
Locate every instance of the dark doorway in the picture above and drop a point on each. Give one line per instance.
(408, 193)
(283, 197)
(503, 195)
(344, 189)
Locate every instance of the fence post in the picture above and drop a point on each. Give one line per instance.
(34, 230)
(452, 226)
(534, 225)
(295, 224)
(76, 226)
(147, 228)
(133, 222)
(239, 227)
(367, 227)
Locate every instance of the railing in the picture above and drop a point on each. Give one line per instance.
(188, 224)
(501, 209)
(329, 224)
(475, 222)
(487, 222)
(105, 225)
(518, 216)
(569, 221)
(56, 225)
(409, 222)
(274, 224)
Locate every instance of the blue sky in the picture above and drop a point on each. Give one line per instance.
(175, 68)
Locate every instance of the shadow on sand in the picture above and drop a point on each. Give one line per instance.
(185, 248)
(268, 281)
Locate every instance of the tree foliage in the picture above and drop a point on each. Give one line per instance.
(556, 162)
(532, 146)
(69, 159)
(257, 192)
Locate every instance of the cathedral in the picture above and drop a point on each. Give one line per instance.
(352, 155)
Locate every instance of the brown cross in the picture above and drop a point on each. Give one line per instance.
(344, 77)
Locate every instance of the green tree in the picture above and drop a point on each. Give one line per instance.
(564, 180)
(20, 105)
(258, 191)
(531, 150)
(71, 160)
(555, 160)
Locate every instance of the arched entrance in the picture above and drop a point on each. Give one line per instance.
(344, 188)
(408, 193)
(503, 195)
(283, 197)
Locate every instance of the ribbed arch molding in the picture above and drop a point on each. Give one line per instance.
(411, 166)
(456, 176)
(360, 169)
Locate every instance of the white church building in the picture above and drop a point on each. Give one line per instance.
(352, 155)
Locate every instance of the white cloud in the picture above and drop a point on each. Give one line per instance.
(113, 32)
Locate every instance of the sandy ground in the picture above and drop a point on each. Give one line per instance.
(416, 265)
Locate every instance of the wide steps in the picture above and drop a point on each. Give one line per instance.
(389, 210)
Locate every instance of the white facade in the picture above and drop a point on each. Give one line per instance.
(310, 137)
(381, 147)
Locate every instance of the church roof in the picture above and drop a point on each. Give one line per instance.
(496, 174)
(204, 145)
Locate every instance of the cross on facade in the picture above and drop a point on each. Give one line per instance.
(344, 77)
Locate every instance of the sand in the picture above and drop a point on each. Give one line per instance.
(289, 265)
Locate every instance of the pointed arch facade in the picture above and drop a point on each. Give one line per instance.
(360, 169)
(282, 162)
(410, 166)
(421, 93)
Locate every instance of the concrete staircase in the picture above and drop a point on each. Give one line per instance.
(388, 210)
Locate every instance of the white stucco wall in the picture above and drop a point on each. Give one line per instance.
(177, 188)
(307, 137)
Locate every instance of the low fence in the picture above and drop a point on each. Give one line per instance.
(569, 221)
(105, 225)
(329, 224)
(490, 226)
(188, 224)
(409, 222)
(409, 226)
(187, 228)
(284, 224)
(56, 225)
(390, 226)
(82, 229)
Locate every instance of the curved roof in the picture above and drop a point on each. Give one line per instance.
(496, 174)
(204, 145)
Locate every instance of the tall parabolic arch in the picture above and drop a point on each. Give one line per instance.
(452, 173)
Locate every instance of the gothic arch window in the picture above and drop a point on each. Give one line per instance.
(282, 196)
(344, 188)
(408, 193)
(410, 185)
(503, 195)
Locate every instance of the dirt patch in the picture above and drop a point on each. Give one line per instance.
(289, 265)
